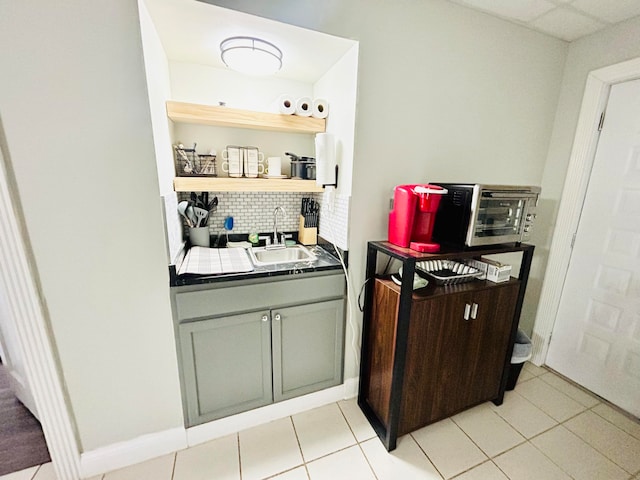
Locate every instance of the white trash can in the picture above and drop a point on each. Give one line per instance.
(521, 353)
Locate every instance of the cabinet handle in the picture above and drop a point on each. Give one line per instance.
(474, 311)
(265, 318)
(277, 317)
(467, 310)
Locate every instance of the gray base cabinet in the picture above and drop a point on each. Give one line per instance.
(228, 365)
(307, 348)
(249, 344)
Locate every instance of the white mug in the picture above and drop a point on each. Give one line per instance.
(274, 167)
(233, 161)
(252, 162)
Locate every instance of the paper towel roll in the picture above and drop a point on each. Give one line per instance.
(304, 106)
(320, 108)
(325, 159)
(286, 104)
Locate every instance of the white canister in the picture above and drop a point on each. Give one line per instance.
(274, 167)
(232, 161)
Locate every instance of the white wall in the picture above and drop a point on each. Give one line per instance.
(610, 46)
(159, 88)
(607, 47)
(444, 94)
(209, 85)
(75, 109)
(339, 86)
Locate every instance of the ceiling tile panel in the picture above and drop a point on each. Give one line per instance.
(566, 24)
(610, 11)
(522, 10)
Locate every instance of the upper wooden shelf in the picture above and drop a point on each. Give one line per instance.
(231, 117)
(224, 184)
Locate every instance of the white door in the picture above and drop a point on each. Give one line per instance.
(596, 336)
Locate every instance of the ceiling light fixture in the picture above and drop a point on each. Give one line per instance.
(251, 55)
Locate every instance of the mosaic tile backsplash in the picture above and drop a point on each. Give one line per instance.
(253, 212)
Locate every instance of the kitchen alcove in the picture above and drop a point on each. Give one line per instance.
(187, 83)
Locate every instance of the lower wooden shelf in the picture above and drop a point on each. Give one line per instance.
(224, 184)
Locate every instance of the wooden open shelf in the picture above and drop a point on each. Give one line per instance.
(224, 184)
(231, 117)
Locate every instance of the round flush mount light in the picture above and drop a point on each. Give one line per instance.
(251, 55)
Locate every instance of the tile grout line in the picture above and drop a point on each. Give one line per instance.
(593, 446)
(601, 401)
(239, 454)
(426, 455)
(295, 432)
(175, 461)
(358, 443)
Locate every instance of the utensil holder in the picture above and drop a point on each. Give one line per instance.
(307, 235)
(199, 236)
(188, 163)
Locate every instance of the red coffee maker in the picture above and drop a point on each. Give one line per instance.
(413, 216)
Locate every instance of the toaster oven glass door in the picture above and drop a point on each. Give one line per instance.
(499, 217)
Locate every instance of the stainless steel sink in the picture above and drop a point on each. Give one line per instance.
(296, 253)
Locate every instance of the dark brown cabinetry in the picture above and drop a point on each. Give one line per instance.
(429, 354)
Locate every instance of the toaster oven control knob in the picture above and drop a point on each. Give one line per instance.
(527, 228)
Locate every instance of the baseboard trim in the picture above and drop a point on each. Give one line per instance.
(235, 423)
(130, 452)
(351, 386)
(146, 447)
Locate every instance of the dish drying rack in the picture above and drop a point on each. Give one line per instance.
(191, 164)
(448, 272)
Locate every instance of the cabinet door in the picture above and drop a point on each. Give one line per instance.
(308, 348)
(487, 341)
(227, 365)
(453, 360)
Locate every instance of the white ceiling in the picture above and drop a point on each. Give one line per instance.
(191, 32)
(564, 19)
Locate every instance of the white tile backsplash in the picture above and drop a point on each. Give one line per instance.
(253, 212)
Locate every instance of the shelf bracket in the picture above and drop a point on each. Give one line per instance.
(332, 184)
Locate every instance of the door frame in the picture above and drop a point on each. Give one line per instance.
(594, 101)
(24, 299)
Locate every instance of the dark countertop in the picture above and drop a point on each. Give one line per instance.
(326, 259)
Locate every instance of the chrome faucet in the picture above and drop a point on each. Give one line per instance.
(278, 243)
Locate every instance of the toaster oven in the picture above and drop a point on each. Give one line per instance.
(474, 214)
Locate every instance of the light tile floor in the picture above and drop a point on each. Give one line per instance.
(546, 429)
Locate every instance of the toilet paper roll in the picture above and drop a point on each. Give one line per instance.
(325, 159)
(304, 105)
(320, 108)
(286, 104)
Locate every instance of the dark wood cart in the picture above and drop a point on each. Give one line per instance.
(424, 356)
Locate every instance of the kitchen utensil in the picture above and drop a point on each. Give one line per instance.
(311, 171)
(190, 215)
(182, 210)
(202, 216)
(200, 201)
(212, 204)
(199, 236)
